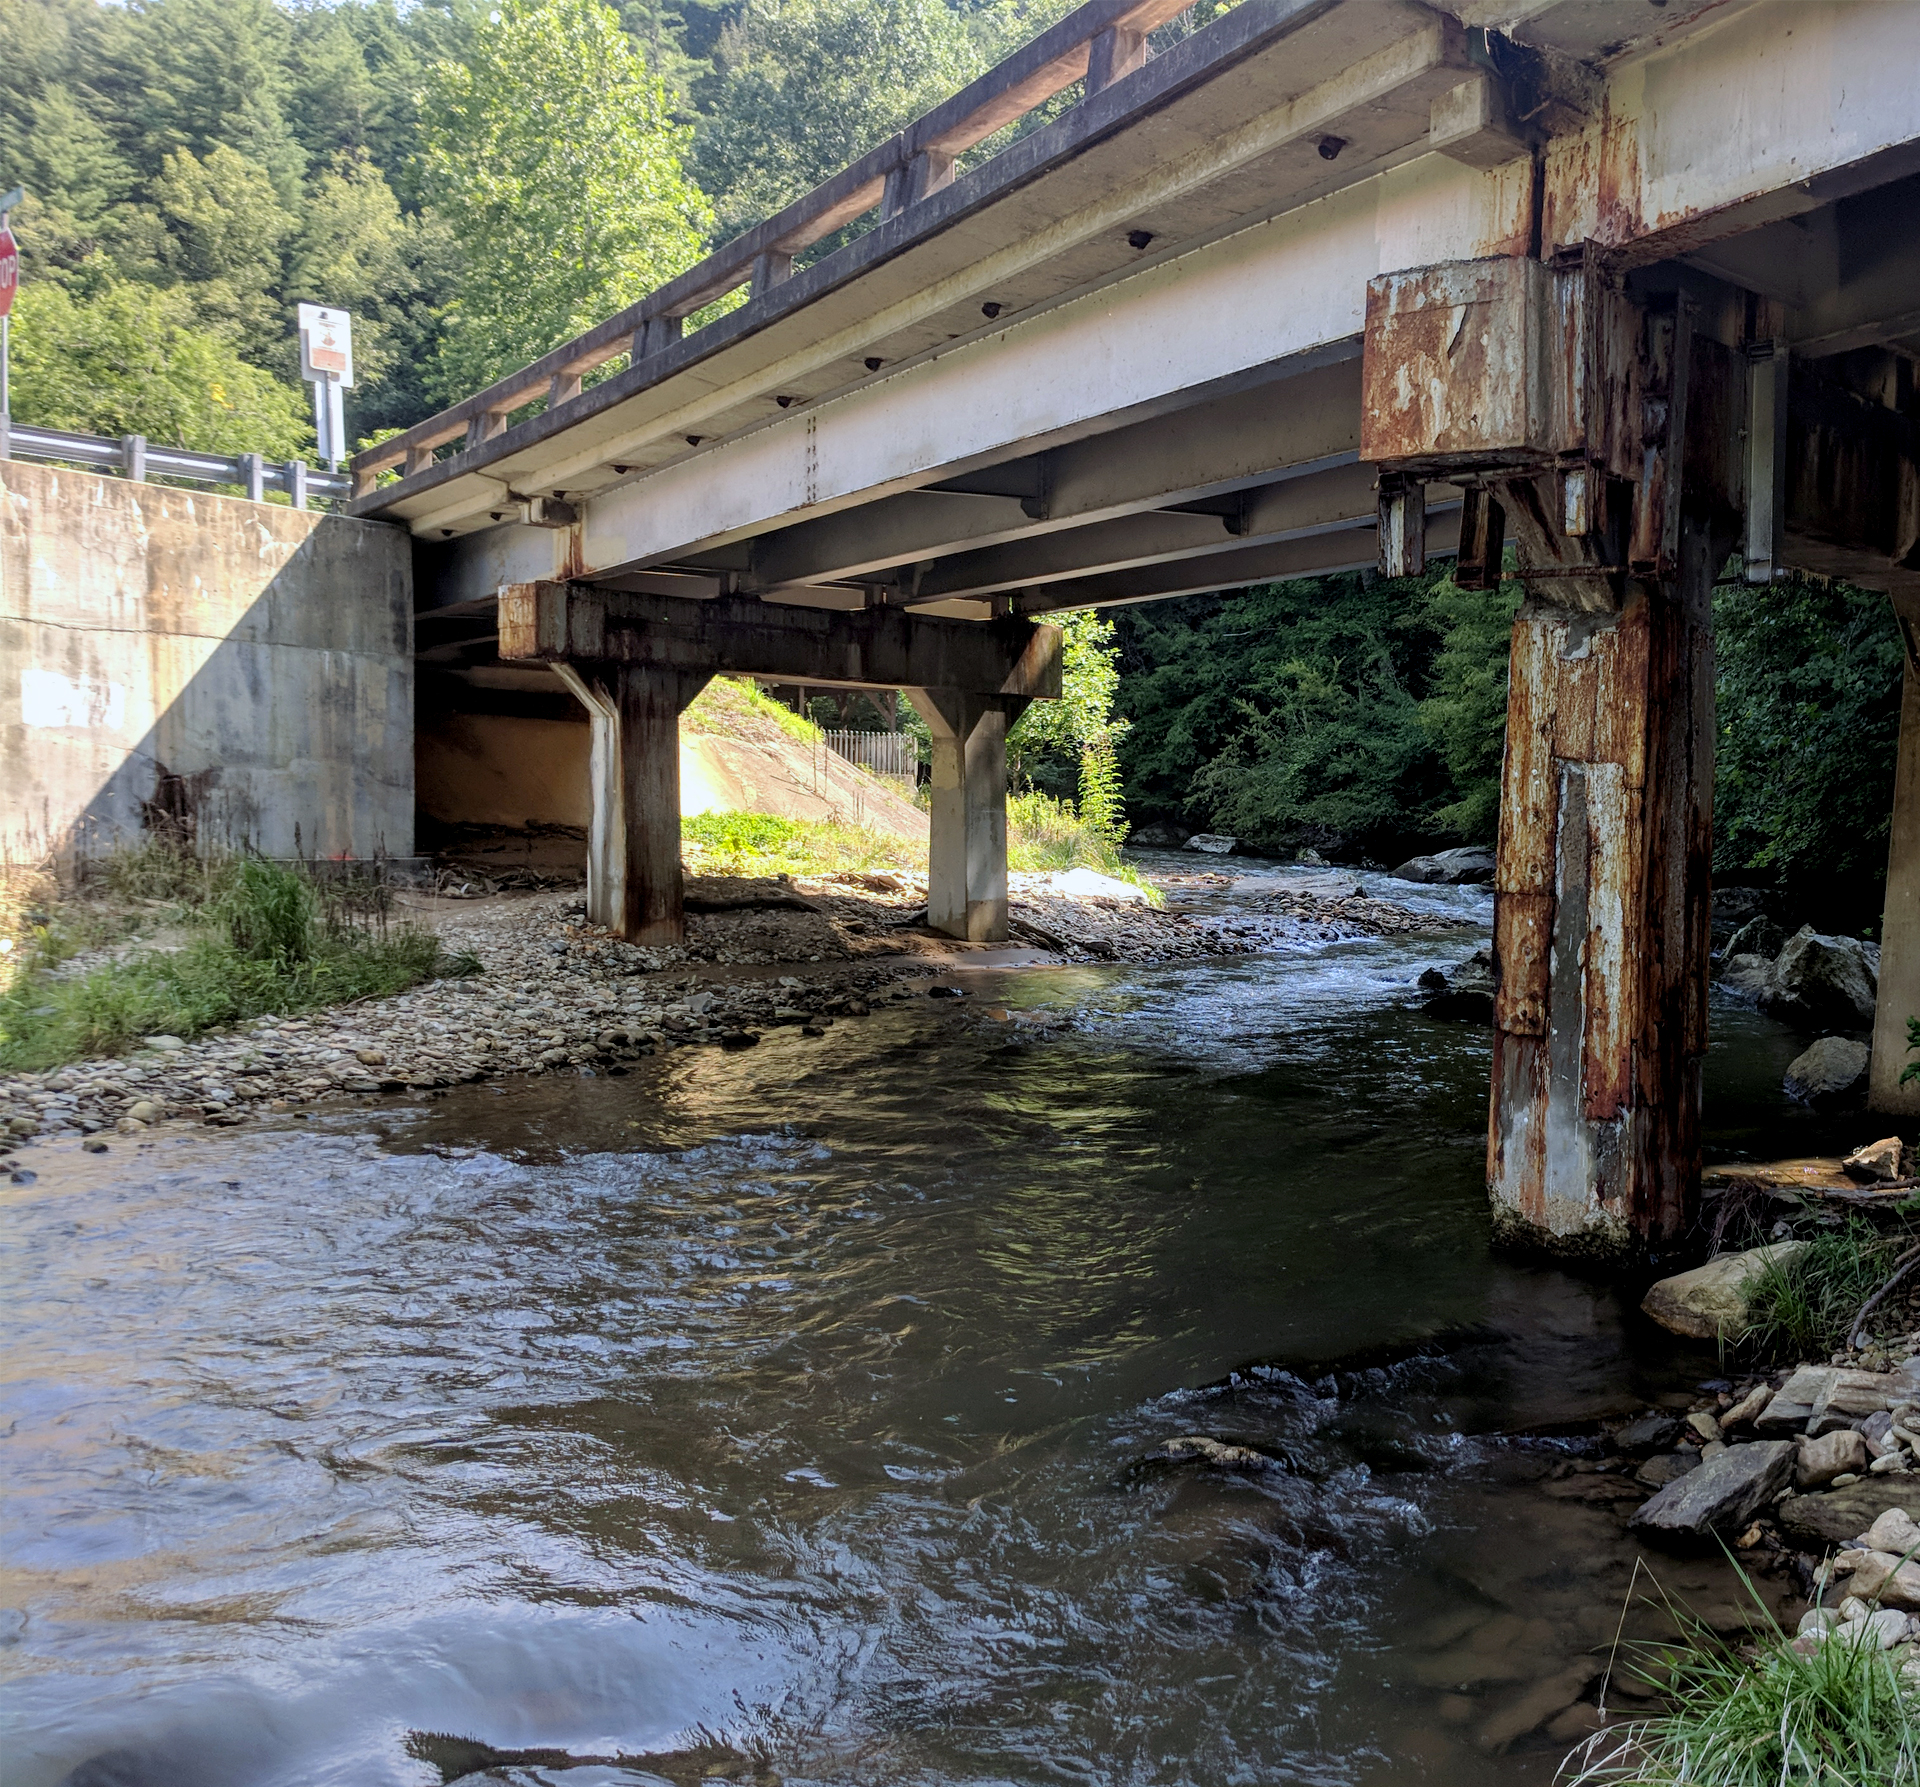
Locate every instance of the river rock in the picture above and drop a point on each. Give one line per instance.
(1722, 1495)
(1710, 1302)
(1851, 1396)
(1468, 866)
(1842, 1516)
(1830, 1456)
(1745, 975)
(1666, 1467)
(1792, 1407)
(1159, 834)
(1877, 1160)
(1832, 1072)
(1759, 937)
(1880, 1576)
(1199, 1448)
(1823, 982)
(1465, 991)
(1651, 1432)
(1214, 843)
(1894, 1530)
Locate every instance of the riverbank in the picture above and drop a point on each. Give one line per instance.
(550, 993)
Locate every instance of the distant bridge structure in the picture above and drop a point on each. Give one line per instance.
(1622, 285)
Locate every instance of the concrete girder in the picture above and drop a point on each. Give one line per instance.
(1267, 515)
(1759, 141)
(879, 648)
(1273, 426)
(1235, 114)
(1322, 554)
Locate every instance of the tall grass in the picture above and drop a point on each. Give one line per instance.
(761, 844)
(259, 938)
(1838, 1716)
(1802, 1306)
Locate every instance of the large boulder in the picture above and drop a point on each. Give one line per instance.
(1746, 976)
(1757, 937)
(1824, 983)
(1722, 1495)
(1214, 844)
(1710, 1302)
(1159, 834)
(1467, 866)
(1462, 992)
(1842, 1516)
(1831, 1074)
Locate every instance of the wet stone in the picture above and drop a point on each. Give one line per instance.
(1721, 1495)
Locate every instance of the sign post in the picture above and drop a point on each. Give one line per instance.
(326, 362)
(9, 284)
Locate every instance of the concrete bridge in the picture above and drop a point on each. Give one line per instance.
(1626, 287)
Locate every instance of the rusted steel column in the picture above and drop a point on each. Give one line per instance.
(1601, 907)
(633, 838)
(967, 839)
(1600, 438)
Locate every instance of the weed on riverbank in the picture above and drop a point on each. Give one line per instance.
(241, 938)
(1042, 835)
(1802, 1306)
(1835, 1715)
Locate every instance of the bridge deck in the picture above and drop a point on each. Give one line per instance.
(1116, 360)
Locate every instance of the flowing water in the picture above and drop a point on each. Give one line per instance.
(783, 1414)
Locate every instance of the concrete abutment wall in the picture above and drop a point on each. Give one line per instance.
(238, 672)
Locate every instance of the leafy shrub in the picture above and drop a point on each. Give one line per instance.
(263, 938)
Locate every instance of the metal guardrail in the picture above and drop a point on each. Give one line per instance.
(884, 753)
(134, 456)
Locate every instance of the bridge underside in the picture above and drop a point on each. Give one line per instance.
(1330, 284)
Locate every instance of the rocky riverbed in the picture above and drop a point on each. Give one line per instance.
(551, 993)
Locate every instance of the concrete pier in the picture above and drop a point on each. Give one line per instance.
(635, 661)
(967, 848)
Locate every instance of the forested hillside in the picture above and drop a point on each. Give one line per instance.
(475, 181)
(1366, 718)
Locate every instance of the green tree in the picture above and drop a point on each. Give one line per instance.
(803, 87)
(224, 230)
(1288, 714)
(553, 156)
(195, 74)
(1809, 682)
(1465, 712)
(132, 359)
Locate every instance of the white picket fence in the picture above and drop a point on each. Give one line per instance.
(890, 754)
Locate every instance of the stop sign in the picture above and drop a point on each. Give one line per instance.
(9, 269)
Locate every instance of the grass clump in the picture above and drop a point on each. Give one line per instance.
(260, 938)
(1838, 1716)
(1044, 834)
(761, 844)
(1802, 1305)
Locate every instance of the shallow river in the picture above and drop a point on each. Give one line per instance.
(780, 1413)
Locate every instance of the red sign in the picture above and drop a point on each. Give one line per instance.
(9, 270)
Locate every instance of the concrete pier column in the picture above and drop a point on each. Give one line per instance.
(1899, 996)
(1601, 920)
(633, 841)
(967, 848)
